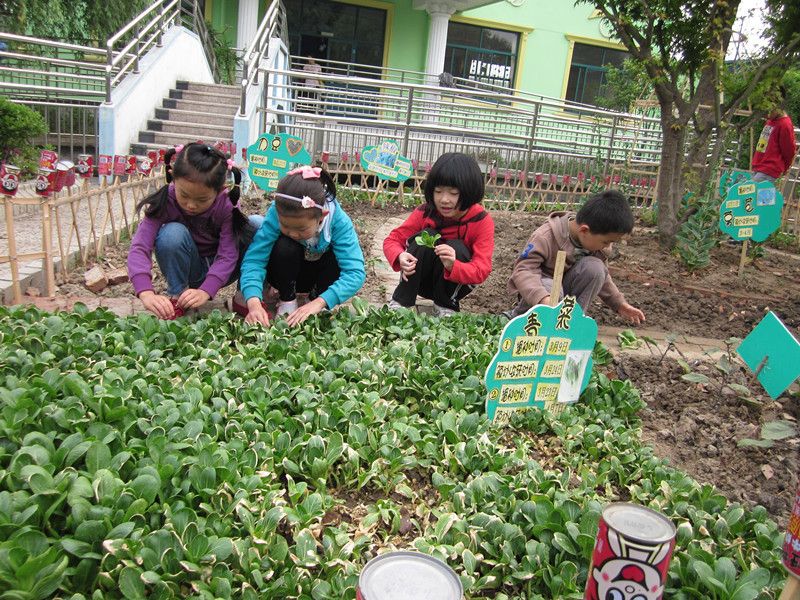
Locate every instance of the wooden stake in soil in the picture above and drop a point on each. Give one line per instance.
(791, 590)
(558, 275)
(12, 252)
(47, 243)
(743, 258)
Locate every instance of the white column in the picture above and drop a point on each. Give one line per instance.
(247, 23)
(437, 41)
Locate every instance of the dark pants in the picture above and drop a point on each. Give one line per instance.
(289, 272)
(428, 280)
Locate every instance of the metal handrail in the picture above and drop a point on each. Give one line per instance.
(272, 25)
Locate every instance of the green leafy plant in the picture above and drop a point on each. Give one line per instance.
(427, 239)
(699, 234)
(147, 458)
(770, 433)
(19, 125)
(628, 340)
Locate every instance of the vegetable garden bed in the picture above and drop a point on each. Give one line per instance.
(208, 459)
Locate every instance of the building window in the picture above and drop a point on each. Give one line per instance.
(587, 73)
(481, 54)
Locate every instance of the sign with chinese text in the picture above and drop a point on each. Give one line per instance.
(773, 352)
(272, 156)
(386, 162)
(544, 360)
(751, 211)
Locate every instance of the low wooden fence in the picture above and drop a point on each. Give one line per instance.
(68, 228)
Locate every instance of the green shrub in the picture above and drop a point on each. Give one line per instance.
(18, 126)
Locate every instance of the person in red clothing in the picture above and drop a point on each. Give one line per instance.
(462, 257)
(776, 148)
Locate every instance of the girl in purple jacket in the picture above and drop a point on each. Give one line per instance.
(194, 226)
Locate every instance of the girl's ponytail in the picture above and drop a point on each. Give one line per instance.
(168, 156)
(240, 222)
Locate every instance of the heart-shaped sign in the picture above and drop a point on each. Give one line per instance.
(293, 146)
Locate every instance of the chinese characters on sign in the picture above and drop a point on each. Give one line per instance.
(272, 156)
(751, 211)
(543, 360)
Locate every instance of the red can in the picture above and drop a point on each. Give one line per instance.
(104, 163)
(791, 543)
(45, 181)
(145, 165)
(408, 576)
(84, 166)
(631, 555)
(48, 159)
(65, 175)
(9, 179)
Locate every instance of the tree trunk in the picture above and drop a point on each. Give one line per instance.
(670, 182)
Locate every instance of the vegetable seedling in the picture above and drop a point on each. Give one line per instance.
(426, 239)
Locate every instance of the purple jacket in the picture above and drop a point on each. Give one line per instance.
(212, 232)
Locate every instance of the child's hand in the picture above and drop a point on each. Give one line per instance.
(305, 311)
(408, 265)
(191, 298)
(157, 304)
(256, 312)
(447, 254)
(631, 313)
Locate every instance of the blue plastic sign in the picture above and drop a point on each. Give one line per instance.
(773, 352)
(385, 161)
(272, 156)
(751, 211)
(544, 360)
(731, 177)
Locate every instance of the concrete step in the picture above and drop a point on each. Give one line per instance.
(191, 116)
(200, 106)
(205, 97)
(159, 139)
(192, 129)
(234, 91)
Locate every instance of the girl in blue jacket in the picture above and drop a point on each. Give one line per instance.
(306, 243)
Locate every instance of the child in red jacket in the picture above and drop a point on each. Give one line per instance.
(776, 148)
(462, 257)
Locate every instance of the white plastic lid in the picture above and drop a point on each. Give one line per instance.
(408, 576)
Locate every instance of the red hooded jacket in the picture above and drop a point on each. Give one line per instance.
(477, 235)
(775, 148)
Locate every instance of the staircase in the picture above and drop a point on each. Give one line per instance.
(193, 111)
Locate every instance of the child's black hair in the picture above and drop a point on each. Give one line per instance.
(606, 212)
(318, 189)
(203, 164)
(454, 169)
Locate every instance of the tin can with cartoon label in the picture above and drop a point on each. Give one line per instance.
(84, 165)
(791, 543)
(9, 179)
(45, 181)
(408, 576)
(631, 554)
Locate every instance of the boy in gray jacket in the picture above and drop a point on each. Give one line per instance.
(604, 219)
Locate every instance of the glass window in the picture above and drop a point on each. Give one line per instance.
(481, 54)
(587, 73)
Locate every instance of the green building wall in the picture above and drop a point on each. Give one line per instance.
(547, 31)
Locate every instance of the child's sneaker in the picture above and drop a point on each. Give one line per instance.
(442, 311)
(286, 307)
(237, 304)
(395, 305)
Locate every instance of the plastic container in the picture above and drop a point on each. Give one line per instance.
(408, 576)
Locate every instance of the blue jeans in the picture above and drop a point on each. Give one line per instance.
(180, 261)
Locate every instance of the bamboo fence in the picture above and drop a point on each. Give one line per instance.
(72, 226)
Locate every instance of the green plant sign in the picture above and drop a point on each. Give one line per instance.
(773, 353)
(272, 156)
(386, 162)
(544, 360)
(751, 211)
